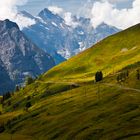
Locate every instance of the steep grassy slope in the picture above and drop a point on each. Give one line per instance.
(65, 108)
(104, 111)
(111, 54)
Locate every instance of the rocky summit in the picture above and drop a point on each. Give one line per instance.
(62, 41)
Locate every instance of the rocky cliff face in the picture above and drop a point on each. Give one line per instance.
(19, 57)
(5, 82)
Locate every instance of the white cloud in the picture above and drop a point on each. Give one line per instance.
(56, 9)
(8, 10)
(114, 1)
(121, 18)
(69, 19)
(67, 16)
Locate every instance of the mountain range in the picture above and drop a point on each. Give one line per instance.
(37, 48)
(19, 57)
(52, 34)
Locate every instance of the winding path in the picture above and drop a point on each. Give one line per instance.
(122, 87)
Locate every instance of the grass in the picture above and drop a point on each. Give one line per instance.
(1, 109)
(81, 113)
(67, 104)
(7, 136)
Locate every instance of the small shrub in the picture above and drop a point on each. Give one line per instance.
(29, 80)
(99, 76)
(28, 105)
(2, 128)
(17, 88)
(28, 98)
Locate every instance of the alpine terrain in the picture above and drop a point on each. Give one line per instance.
(62, 41)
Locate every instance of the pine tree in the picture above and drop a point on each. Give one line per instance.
(6, 96)
(28, 105)
(99, 76)
(17, 88)
(29, 80)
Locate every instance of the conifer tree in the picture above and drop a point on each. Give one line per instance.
(99, 76)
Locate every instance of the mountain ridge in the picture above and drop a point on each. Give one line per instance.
(61, 40)
(19, 55)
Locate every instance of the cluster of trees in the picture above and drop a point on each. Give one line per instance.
(122, 76)
(29, 80)
(98, 76)
(6, 96)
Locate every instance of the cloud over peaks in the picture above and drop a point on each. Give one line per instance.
(8, 10)
(106, 12)
(56, 9)
(67, 16)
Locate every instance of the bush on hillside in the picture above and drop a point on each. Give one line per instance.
(99, 76)
(17, 88)
(6, 96)
(2, 128)
(29, 80)
(28, 105)
(28, 98)
(122, 76)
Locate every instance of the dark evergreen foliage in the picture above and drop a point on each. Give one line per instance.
(6, 96)
(17, 88)
(99, 76)
(2, 128)
(28, 105)
(28, 98)
(29, 80)
(122, 76)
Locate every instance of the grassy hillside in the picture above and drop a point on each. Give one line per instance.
(67, 105)
(105, 111)
(109, 55)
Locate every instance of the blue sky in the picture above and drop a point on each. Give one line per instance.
(34, 6)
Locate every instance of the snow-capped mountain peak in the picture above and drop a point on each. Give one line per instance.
(62, 41)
